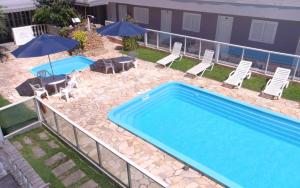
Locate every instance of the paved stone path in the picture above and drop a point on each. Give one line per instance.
(43, 136)
(73, 178)
(52, 144)
(64, 171)
(55, 159)
(38, 152)
(27, 140)
(63, 168)
(89, 184)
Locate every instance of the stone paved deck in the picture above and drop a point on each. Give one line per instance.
(98, 93)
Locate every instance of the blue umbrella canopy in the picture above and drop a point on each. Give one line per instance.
(122, 29)
(45, 45)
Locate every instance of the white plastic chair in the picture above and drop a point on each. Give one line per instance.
(237, 76)
(39, 91)
(279, 81)
(43, 74)
(67, 91)
(108, 65)
(133, 56)
(206, 62)
(73, 78)
(176, 53)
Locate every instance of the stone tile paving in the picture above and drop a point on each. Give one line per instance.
(44, 136)
(27, 140)
(38, 152)
(98, 93)
(52, 144)
(55, 159)
(89, 184)
(73, 178)
(63, 168)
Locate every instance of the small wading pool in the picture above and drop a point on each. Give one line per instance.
(64, 66)
(237, 144)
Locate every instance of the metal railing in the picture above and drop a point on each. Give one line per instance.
(264, 61)
(105, 158)
(39, 29)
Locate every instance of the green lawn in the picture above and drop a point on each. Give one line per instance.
(45, 172)
(17, 116)
(219, 73)
(3, 101)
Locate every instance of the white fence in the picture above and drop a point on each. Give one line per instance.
(264, 61)
(102, 156)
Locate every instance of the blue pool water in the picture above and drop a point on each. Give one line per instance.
(235, 143)
(65, 66)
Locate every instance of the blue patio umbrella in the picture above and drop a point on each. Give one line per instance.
(45, 45)
(122, 29)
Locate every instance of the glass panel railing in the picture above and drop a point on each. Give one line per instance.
(113, 164)
(207, 45)
(66, 129)
(277, 60)
(87, 145)
(164, 41)
(48, 116)
(178, 39)
(104, 157)
(152, 38)
(192, 47)
(230, 55)
(259, 59)
(296, 69)
(18, 116)
(139, 179)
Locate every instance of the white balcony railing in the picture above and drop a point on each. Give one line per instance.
(264, 61)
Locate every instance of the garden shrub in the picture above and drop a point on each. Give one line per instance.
(81, 37)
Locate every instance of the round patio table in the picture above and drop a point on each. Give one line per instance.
(54, 81)
(122, 60)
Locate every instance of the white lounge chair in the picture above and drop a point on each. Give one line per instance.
(39, 91)
(237, 76)
(279, 81)
(176, 53)
(207, 62)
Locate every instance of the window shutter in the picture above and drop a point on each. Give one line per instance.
(256, 31)
(141, 15)
(191, 22)
(269, 32)
(263, 31)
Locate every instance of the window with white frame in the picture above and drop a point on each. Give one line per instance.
(141, 15)
(263, 31)
(191, 22)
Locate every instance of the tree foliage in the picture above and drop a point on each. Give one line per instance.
(2, 22)
(55, 12)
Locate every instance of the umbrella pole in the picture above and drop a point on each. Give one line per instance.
(51, 66)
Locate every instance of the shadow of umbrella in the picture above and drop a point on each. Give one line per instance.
(99, 66)
(25, 90)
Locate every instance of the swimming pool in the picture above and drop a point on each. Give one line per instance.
(65, 66)
(235, 143)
